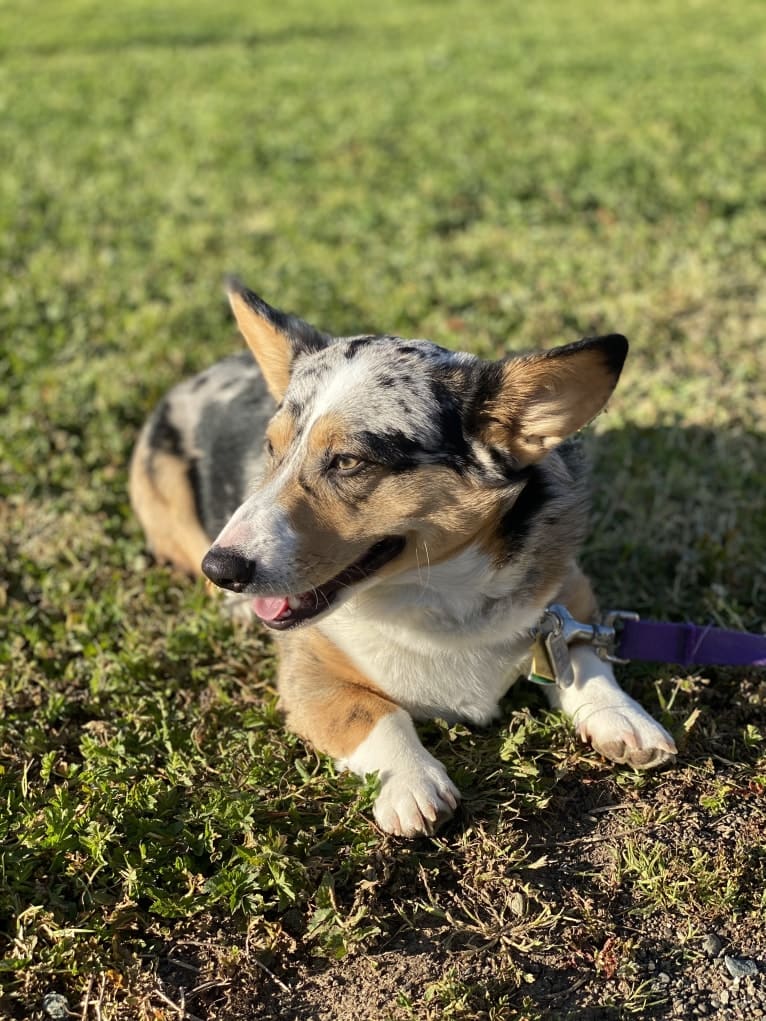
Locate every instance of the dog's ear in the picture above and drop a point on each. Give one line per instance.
(275, 338)
(536, 401)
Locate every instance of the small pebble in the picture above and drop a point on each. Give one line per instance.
(56, 1006)
(518, 904)
(712, 944)
(723, 997)
(740, 967)
(663, 978)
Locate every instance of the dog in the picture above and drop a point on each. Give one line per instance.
(401, 515)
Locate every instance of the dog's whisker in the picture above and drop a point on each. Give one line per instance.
(428, 562)
(423, 584)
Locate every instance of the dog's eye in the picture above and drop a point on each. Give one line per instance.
(346, 464)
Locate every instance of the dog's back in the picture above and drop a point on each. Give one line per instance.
(196, 457)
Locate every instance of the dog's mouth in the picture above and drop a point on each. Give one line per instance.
(284, 612)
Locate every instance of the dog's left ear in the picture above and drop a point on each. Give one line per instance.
(275, 338)
(541, 399)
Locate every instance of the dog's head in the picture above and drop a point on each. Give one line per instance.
(386, 453)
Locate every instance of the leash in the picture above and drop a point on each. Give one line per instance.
(690, 644)
(624, 636)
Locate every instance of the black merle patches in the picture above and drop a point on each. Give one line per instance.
(163, 434)
(400, 451)
(450, 433)
(355, 346)
(194, 479)
(294, 408)
(424, 349)
(393, 449)
(517, 522)
(613, 349)
(228, 440)
(481, 389)
(405, 424)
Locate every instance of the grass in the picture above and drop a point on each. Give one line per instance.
(490, 176)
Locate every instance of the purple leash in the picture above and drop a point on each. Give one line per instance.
(622, 636)
(689, 644)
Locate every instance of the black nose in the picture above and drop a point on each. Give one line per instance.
(228, 569)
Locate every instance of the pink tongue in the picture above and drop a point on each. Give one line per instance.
(270, 609)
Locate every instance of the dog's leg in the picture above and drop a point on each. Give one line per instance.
(614, 723)
(416, 794)
(330, 704)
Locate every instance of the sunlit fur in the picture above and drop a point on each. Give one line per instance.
(346, 443)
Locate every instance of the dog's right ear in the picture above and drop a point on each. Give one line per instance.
(275, 338)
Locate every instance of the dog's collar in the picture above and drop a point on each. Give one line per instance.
(558, 629)
(624, 636)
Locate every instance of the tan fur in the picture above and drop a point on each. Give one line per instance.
(164, 504)
(326, 699)
(270, 348)
(435, 509)
(328, 433)
(577, 595)
(454, 512)
(281, 432)
(544, 400)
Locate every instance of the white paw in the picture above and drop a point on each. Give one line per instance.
(626, 733)
(415, 802)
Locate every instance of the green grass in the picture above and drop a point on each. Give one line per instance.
(492, 176)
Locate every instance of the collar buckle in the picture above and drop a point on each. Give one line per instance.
(559, 629)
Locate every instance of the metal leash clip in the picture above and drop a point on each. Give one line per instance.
(612, 620)
(551, 662)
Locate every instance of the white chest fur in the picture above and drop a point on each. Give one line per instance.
(448, 645)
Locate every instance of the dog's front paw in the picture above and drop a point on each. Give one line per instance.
(416, 802)
(627, 734)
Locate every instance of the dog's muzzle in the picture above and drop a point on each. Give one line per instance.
(283, 611)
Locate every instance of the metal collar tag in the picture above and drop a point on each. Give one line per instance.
(551, 662)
